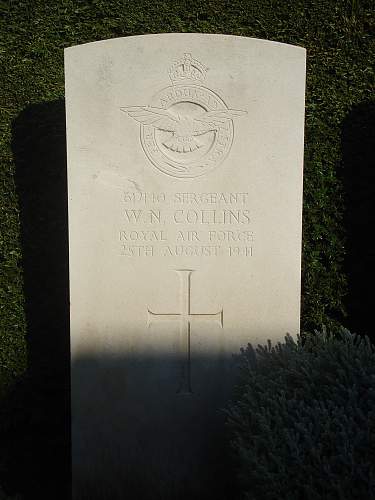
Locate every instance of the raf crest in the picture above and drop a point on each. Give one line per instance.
(187, 129)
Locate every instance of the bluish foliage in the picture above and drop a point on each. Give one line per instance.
(303, 422)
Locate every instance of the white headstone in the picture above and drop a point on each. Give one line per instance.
(185, 160)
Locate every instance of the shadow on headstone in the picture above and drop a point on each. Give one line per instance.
(136, 437)
(358, 171)
(162, 463)
(37, 444)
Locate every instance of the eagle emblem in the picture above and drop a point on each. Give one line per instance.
(187, 129)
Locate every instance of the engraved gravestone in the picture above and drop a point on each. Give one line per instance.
(185, 194)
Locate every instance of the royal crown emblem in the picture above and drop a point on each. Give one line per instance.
(187, 129)
(187, 68)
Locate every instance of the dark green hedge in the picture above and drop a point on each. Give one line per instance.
(303, 422)
(340, 76)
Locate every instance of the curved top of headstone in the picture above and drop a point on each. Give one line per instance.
(174, 37)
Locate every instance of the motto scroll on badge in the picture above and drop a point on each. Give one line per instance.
(187, 129)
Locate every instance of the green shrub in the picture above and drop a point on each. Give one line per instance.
(303, 423)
